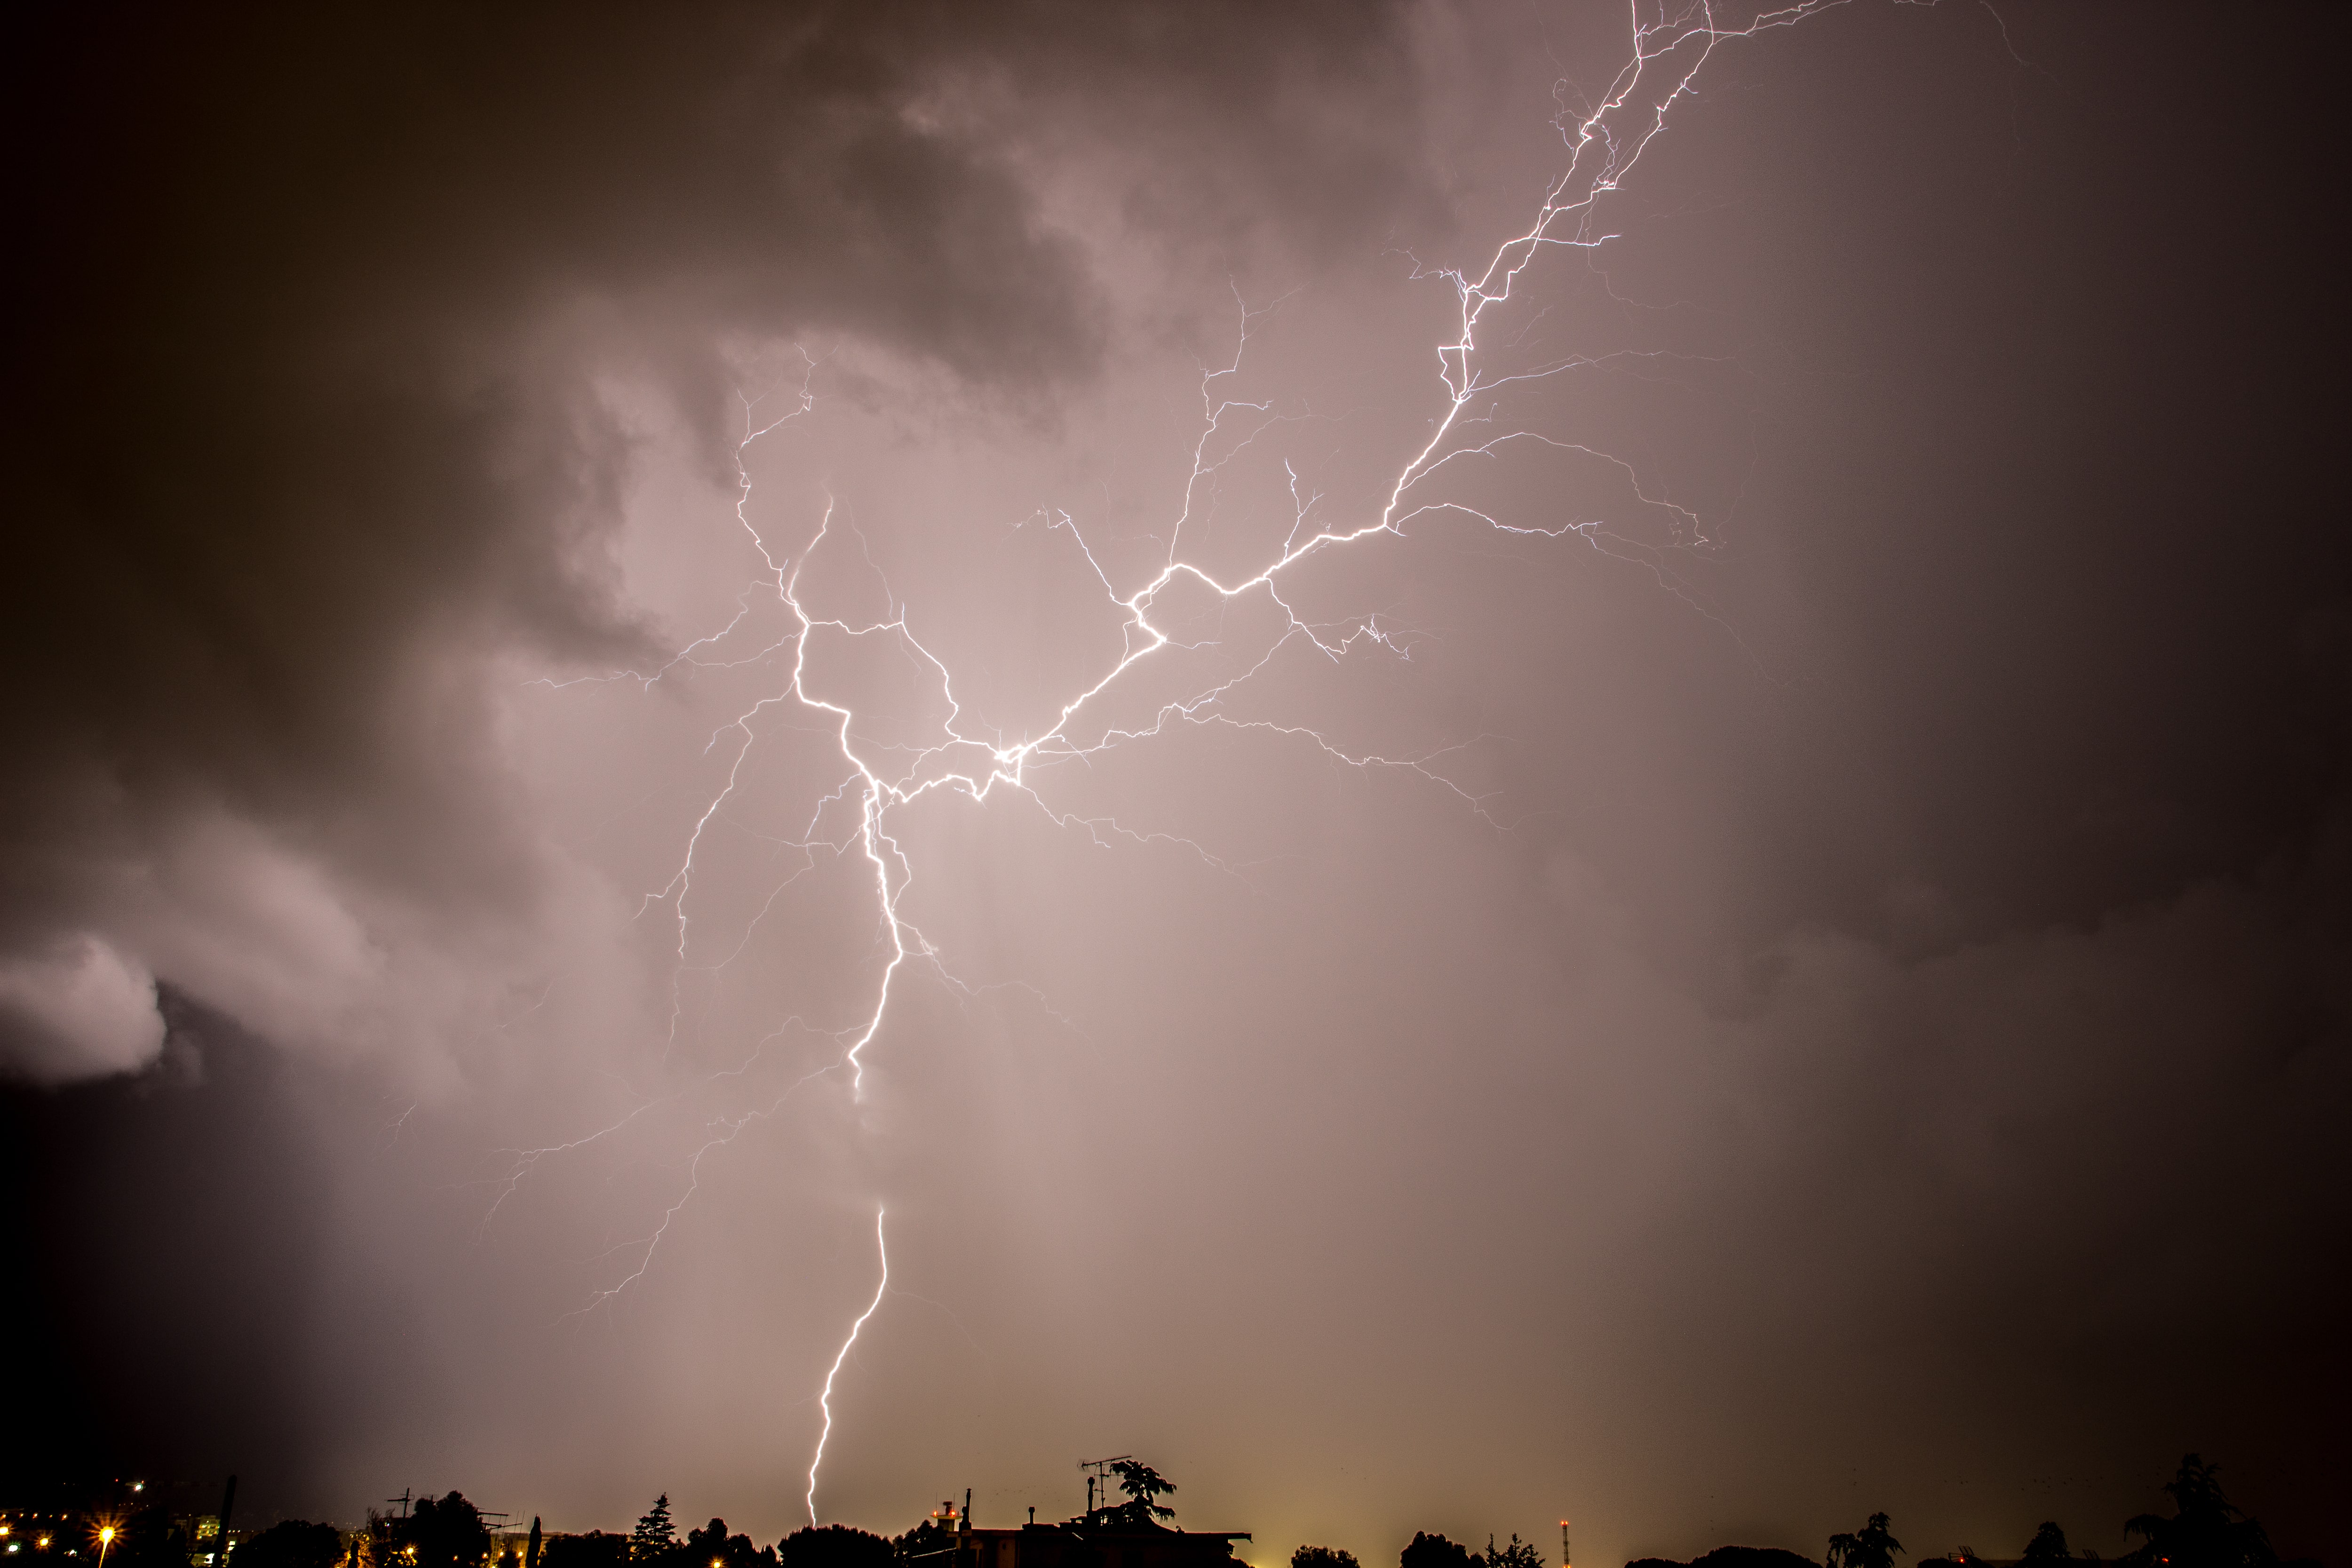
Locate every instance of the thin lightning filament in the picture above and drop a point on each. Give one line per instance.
(824, 1398)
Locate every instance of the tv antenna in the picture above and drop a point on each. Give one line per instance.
(1101, 1476)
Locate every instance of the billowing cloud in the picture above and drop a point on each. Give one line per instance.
(315, 420)
(80, 1010)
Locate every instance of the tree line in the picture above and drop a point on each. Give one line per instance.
(2204, 1530)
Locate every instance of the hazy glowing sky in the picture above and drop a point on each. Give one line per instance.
(1847, 1014)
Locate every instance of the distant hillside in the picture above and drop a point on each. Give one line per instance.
(1733, 1557)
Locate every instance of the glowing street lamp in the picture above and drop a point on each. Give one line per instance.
(105, 1541)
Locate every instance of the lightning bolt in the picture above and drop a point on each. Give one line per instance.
(1605, 140)
(824, 1398)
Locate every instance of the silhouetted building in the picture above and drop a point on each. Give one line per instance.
(1086, 1543)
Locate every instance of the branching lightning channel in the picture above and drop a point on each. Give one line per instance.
(1670, 44)
(1604, 143)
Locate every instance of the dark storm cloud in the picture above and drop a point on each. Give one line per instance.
(2043, 1025)
(199, 1301)
(302, 419)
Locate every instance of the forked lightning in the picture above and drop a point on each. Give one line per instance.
(1669, 45)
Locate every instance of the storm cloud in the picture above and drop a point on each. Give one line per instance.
(1847, 1009)
(308, 422)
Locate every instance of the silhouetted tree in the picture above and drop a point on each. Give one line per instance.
(654, 1538)
(712, 1547)
(1517, 1554)
(833, 1546)
(383, 1545)
(596, 1549)
(2048, 1545)
(2206, 1529)
(292, 1543)
(1322, 1557)
(1433, 1551)
(928, 1537)
(439, 1533)
(1871, 1547)
(1144, 1486)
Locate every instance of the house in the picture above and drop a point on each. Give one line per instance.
(1098, 1539)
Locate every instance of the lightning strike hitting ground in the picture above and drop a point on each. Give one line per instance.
(1605, 140)
(824, 1398)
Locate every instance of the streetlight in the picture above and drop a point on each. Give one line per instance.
(105, 1540)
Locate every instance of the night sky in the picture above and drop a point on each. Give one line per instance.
(1786, 955)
